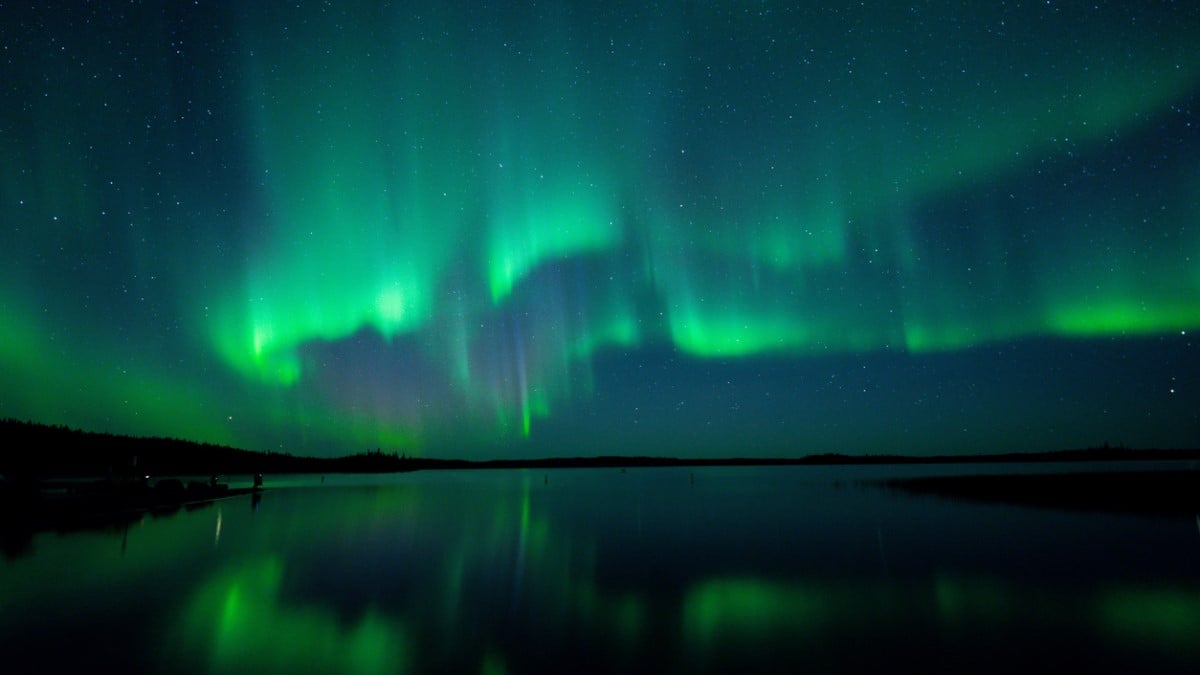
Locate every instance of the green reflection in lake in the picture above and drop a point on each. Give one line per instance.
(506, 560)
(237, 622)
(752, 609)
(649, 571)
(1165, 618)
(962, 603)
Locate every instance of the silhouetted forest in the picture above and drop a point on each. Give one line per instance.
(33, 449)
(42, 450)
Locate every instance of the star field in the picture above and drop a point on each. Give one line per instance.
(708, 228)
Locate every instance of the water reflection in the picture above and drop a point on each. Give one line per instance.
(1156, 618)
(980, 624)
(237, 622)
(650, 571)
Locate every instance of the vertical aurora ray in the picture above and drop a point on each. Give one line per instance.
(551, 185)
(355, 235)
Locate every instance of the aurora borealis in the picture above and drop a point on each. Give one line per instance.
(692, 228)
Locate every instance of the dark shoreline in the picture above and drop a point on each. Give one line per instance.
(1152, 493)
(38, 451)
(29, 508)
(67, 479)
(831, 459)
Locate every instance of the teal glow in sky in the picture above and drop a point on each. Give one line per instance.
(703, 228)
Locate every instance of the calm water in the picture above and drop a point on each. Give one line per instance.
(651, 570)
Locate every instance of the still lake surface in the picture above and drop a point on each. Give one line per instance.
(727, 569)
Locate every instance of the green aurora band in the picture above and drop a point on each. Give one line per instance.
(414, 226)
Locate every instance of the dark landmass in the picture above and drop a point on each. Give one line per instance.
(1136, 492)
(43, 471)
(76, 505)
(28, 507)
(36, 451)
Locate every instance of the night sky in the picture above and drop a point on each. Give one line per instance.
(719, 228)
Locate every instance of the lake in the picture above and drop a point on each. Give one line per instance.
(707, 569)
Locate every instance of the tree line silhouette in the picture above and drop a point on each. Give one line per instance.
(53, 450)
(34, 450)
